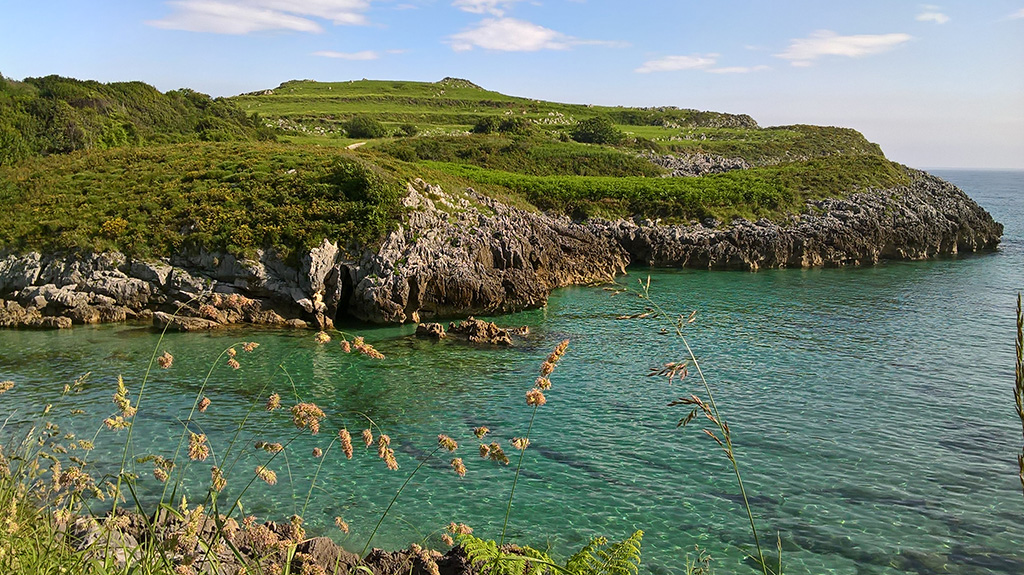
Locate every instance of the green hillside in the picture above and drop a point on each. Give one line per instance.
(55, 115)
(123, 166)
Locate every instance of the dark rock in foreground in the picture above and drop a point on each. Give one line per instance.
(459, 255)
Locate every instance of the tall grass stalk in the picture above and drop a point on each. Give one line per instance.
(709, 408)
(1018, 389)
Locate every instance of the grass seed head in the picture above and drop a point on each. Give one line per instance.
(198, 450)
(203, 404)
(165, 361)
(268, 476)
(307, 416)
(322, 337)
(217, 480)
(447, 442)
(341, 524)
(346, 443)
(480, 432)
(273, 402)
(535, 398)
(459, 467)
(368, 437)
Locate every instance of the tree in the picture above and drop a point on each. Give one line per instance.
(597, 130)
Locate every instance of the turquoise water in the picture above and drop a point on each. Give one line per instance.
(872, 411)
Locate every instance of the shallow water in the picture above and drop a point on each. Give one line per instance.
(871, 408)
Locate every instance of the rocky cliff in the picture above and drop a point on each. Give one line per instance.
(465, 253)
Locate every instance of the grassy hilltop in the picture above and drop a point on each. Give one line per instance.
(122, 166)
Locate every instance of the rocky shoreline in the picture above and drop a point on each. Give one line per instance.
(200, 543)
(468, 254)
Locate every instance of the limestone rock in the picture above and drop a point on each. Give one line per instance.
(163, 320)
(430, 331)
(19, 272)
(479, 331)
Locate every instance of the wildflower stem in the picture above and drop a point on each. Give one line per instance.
(515, 480)
(1019, 382)
(395, 498)
(719, 422)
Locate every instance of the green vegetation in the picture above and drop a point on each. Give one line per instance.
(597, 130)
(364, 127)
(55, 115)
(531, 156)
(122, 166)
(230, 196)
(755, 193)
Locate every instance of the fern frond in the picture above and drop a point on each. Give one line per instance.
(492, 561)
(600, 558)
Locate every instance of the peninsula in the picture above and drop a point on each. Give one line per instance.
(397, 202)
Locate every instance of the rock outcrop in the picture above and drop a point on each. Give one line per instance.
(928, 218)
(696, 164)
(473, 255)
(465, 254)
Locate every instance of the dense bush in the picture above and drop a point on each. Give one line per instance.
(55, 115)
(158, 200)
(364, 127)
(504, 125)
(597, 130)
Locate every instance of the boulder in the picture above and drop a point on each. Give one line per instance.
(19, 272)
(430, 331)
(84, 314)
(479, 331)
(162, 320)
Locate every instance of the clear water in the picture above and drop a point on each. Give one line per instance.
(872, 411)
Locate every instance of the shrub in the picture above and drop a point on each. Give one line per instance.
(408, 130)
(511, 125)
(597, 130)
(486, 125)
(364, 127)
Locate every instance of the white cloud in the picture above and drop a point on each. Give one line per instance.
(510, 35)
(493, 7)
(364, 55)
(803, 51)
(932, 14)
(738, 69)
(705, 62)
(676, 63)
(1017, 15)
(246, 16)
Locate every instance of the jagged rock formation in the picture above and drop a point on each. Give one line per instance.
(459, 255)
(928, 218)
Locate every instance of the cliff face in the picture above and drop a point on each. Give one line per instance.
(929, 218)
(462, 255)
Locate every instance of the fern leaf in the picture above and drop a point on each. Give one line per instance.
(600, 558)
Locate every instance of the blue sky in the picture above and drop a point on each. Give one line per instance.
(937, 85)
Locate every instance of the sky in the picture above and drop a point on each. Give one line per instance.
(936, 85)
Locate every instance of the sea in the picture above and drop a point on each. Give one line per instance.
(871, 411)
